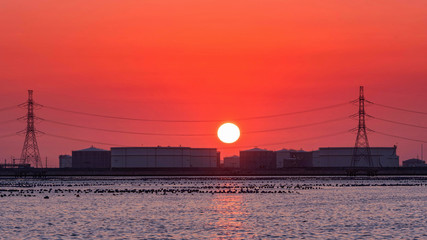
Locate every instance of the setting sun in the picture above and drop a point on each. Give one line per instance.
(228, 133)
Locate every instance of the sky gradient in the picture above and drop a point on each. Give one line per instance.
(220, 60)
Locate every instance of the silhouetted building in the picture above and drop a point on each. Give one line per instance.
(413, 162)
(164, 157)
(232, 162)
(303, 158)
(293, 158)
(65, 161)
(218, 159)
(341, 157)
(257, 158)
(283, 156)
(91, 158)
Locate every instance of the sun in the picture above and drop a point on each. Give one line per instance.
(228, 133)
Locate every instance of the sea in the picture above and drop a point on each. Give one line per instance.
(214, 208)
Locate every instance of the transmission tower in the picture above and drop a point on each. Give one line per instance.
(30, 152)
(361, 151)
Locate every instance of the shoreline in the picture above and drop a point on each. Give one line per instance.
(47, 172)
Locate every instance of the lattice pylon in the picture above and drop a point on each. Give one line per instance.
(30, 151)
(361, 151)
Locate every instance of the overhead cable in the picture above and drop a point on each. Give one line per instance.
(399, 109)
(8, 121)
(193, 121)
(294, 113)
(187, 134)
(8, 135)
(297, 126)
(405, 138)
(83, 140)
(269, 144)
(290, 141)
(8, 108)
(401, 123)
(126, 132)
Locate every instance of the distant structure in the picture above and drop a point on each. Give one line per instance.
(232, 162)
(91, 158)
(414, 162)
(65, 161)
(164, 157)
(30, 151)
(324, 157)
(361, 151)
(293, 158)
(283, 156)
(218, 159)
(13, 165)
(257, 158)
(343, 157)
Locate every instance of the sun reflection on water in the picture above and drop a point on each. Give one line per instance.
(230, 212)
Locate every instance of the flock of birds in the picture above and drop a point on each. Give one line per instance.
(78, 187)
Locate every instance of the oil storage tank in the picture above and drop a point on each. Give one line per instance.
(163, 157)
(91, 158)
(342, 156)
(257, 158)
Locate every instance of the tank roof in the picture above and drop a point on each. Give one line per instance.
(92, 149)
(290, 150)
(256, 150)
(414, 160)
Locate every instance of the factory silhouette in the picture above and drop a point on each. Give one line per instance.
(251, 159)
(353, 159)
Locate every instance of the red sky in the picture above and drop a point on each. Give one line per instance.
(212, 60)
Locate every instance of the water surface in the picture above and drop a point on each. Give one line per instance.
(214, 208)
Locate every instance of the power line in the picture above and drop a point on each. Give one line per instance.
(401, 123)
(192, 121)
(296, 112)
(235, 147)
(8, 121)
(291, 141)
(83, 140)
(298, 126)
(127, 132)
(8, 135)
(189, 135)
(399, 109)
(8, 108)
(269, 144)
(396, 136)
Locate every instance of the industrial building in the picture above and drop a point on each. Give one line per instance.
(293, 158)
(341, 157)
(257, 158)
(232, 162)
(65, 161)
(414, 162)
(91, 158)
(164, 157)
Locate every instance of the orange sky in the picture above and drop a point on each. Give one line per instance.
(212, 60)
